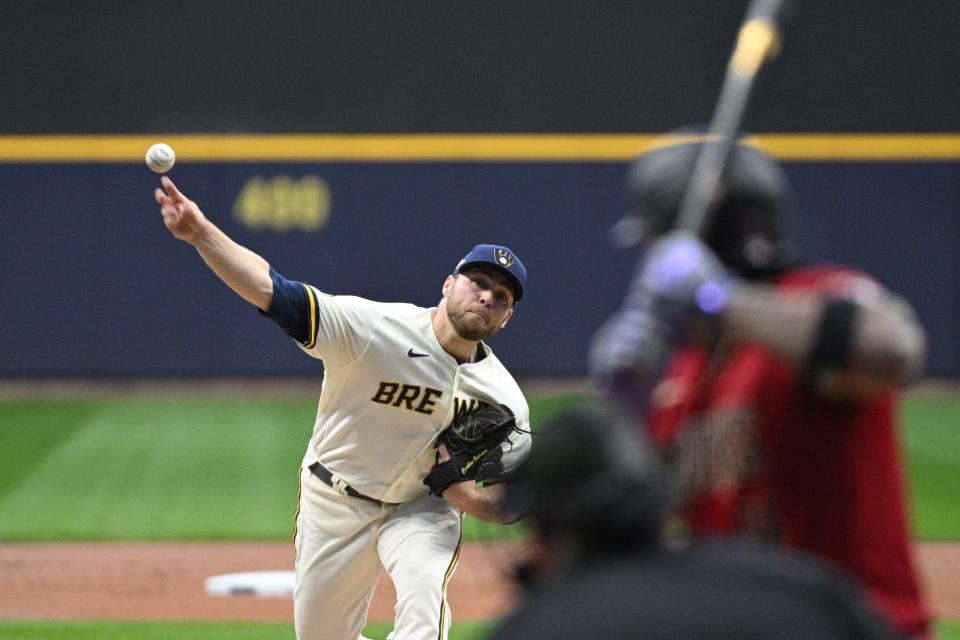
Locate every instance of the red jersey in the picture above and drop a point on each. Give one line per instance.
(753, 452)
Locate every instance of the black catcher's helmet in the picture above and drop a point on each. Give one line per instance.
(749, 224)
(593, 479)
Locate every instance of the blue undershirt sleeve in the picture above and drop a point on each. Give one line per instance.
(293, 308)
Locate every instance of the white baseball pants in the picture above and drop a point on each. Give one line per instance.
(343, 544)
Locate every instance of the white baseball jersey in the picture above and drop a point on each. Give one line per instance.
(389, 389)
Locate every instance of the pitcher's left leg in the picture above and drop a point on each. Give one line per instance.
(419, 544)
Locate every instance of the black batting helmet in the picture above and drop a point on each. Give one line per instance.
(591, 477)
(749, 224)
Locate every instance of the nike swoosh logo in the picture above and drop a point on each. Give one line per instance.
(414, 354)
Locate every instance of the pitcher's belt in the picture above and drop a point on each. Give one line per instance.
(326, 477)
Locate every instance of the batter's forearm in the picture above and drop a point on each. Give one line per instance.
(241, 269)
(757, 313)
(886, 345)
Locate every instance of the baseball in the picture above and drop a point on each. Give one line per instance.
(160, 158)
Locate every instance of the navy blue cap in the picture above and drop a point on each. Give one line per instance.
(500, 258)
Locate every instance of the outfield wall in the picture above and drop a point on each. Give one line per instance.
(94, 284)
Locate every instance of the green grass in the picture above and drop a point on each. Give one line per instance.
(165, 469)
(948, 630)
(226, 468)
(159, 469)
(103, 630)
(932, 441)
(37, 630)
(23, 630)
(29, 431)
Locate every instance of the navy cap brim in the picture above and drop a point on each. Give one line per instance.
(488, 264)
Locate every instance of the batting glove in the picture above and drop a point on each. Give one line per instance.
(677, 279)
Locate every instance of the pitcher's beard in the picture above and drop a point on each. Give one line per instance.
(469, 326)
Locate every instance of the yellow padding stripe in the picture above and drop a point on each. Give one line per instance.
(825, 147)
(312, 341)
(446, 581)
(455, 147)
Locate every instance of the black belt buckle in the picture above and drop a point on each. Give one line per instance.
(324, 475)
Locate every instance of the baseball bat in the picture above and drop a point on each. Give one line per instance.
(758, 40)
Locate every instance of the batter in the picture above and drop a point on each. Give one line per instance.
(770, 386)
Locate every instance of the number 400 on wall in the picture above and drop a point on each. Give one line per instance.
(282, 203)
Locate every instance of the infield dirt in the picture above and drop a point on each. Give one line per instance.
(164, 581)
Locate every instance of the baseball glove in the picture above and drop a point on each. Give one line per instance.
(474, 441)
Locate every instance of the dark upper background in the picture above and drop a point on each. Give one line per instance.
(238, 66)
